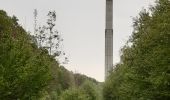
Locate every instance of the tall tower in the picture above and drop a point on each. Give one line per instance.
(109, 38)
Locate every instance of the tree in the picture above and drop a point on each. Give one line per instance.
(143, 72)
(24, 72)
(48, 37)
(73, 94)
(90, 89)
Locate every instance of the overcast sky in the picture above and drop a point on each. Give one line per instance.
(82, 25)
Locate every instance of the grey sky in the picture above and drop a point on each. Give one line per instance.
(82, 25)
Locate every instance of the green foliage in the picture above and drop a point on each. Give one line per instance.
(87, 91)
(73, 94)
(48, 37)
(28, 72)
(24, 71)
(143, 73)
(81, 79)
(90, 89)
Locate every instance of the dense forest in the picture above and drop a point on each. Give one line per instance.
(144, 70)
(29, 71)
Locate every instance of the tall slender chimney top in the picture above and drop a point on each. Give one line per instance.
(109, 38)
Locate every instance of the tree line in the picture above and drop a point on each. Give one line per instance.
(30, 70)
(144, 70)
